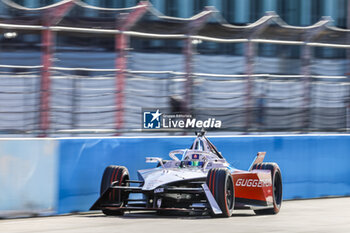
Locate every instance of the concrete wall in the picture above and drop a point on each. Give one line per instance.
(28, 176)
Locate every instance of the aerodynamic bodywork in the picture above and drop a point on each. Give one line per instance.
(196, 180)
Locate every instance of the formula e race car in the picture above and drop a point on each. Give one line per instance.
(197, 180)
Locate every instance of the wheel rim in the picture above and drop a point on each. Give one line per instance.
(277, 189)
(229, 193)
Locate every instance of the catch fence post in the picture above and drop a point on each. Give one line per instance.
(194, 27)
(124, 23)
(51, 16)
(249, 62)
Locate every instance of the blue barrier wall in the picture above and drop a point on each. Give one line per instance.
(312, 166)
(63, 175)
(28, 176)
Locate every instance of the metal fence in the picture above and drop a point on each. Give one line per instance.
(74, 69)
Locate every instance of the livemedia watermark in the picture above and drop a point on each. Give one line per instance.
(163, 119)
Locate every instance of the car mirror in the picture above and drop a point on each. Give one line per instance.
(155, 160)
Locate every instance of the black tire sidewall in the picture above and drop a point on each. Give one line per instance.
(120, 173)
(277, 206)
(275, 170)
(219, 178)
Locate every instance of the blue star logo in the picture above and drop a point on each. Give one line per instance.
(152, 120)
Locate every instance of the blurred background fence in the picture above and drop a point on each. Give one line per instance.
(72, 69)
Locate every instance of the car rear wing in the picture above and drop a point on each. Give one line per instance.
(258, 159)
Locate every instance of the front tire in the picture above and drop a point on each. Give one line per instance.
(118, 174)
(276, 186)
(220, 183)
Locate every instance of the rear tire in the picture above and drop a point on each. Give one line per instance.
(276, 186)
(220, 183)
(118, 174)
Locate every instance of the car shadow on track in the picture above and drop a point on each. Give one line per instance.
(151, 215)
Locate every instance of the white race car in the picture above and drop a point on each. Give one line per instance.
(196, 180)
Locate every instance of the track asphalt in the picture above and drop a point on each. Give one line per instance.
(314, 215)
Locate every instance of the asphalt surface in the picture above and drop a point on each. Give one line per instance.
(316, 215)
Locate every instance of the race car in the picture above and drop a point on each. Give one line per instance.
(197, 180)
